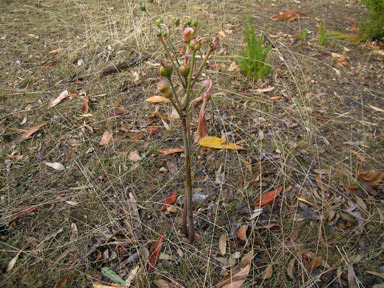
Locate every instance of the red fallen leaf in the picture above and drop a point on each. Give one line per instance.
(170, 200)
(28, 133)
(171, 150)
(265, 227)
(355, 28)
(242, 233)
(289, 15)
(116, 113)
(268, 197)
(20, 214)
(154, 253)
(153, 130)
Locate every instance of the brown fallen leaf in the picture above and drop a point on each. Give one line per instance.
(55, 165)
(134, 156)
(310, 260)
(372, 178)
(233, 67)
(171, 150)
(247, 259)
(12, 263)
(291, 268)
(55, 51)
(99, 285)
(223, 244)
(237, 279)
(268, 272)
(32, 130)
(161, 283)
(242, 233)
(289, 15)
(107, 136)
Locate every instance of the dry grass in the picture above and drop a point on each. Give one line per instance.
(320, 133)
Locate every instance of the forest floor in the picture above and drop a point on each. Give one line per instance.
(72, 210)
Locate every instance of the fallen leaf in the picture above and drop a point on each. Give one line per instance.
(268, 272)
(378, 109)
(233, 67)
(237, 279)
(55, 51)
(75, 233)
(12, 263)
(264, 90)
(153, 130)
(31, 131)
(171, 150)
(157, 99)
(161, 283)
(170, 200)
(131, 276)
(62, 96)
(25, 118)
(242, 232)
(291, 268)
(268, 197)
(134, 156)
(268, 226)
(21, 214)
(172, 168)
(247, 259)
(223, 244)
(310, 260)
(86, 105)
(107, 136)
(218, 143)
(109, 273)
(55, 165)
(154, 253)
(372, 178)
(99, 285)
(289, 15)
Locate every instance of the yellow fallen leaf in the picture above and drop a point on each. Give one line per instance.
(218, 143)
(157, 99)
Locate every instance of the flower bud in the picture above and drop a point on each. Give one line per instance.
(184, 70)
(188, 34)
(194, 23)
(164, 86)
(166, 70)
(195, 44)
(142, 8)
(188, 22)
(207, 83)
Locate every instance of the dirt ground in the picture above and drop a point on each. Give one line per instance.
(314, 127)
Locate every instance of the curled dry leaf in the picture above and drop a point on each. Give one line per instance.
(170, 200)
(171, 150)
(62, 96)
(223, 244)
(134, 156)
(75, 233)
(55, 165)
(157, 99)
(268, 197)
(247, 259)
(218, 143)
(31, 131)
(242, 232)
(107, 136)
(154, 253)
(131, 276)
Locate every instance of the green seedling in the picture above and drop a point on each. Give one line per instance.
(302, 35)
(322, 36)
(253, 61)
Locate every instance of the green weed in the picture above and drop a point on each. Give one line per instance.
(253, 60)
(302, 35)
(322, 36)
(372, 25)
